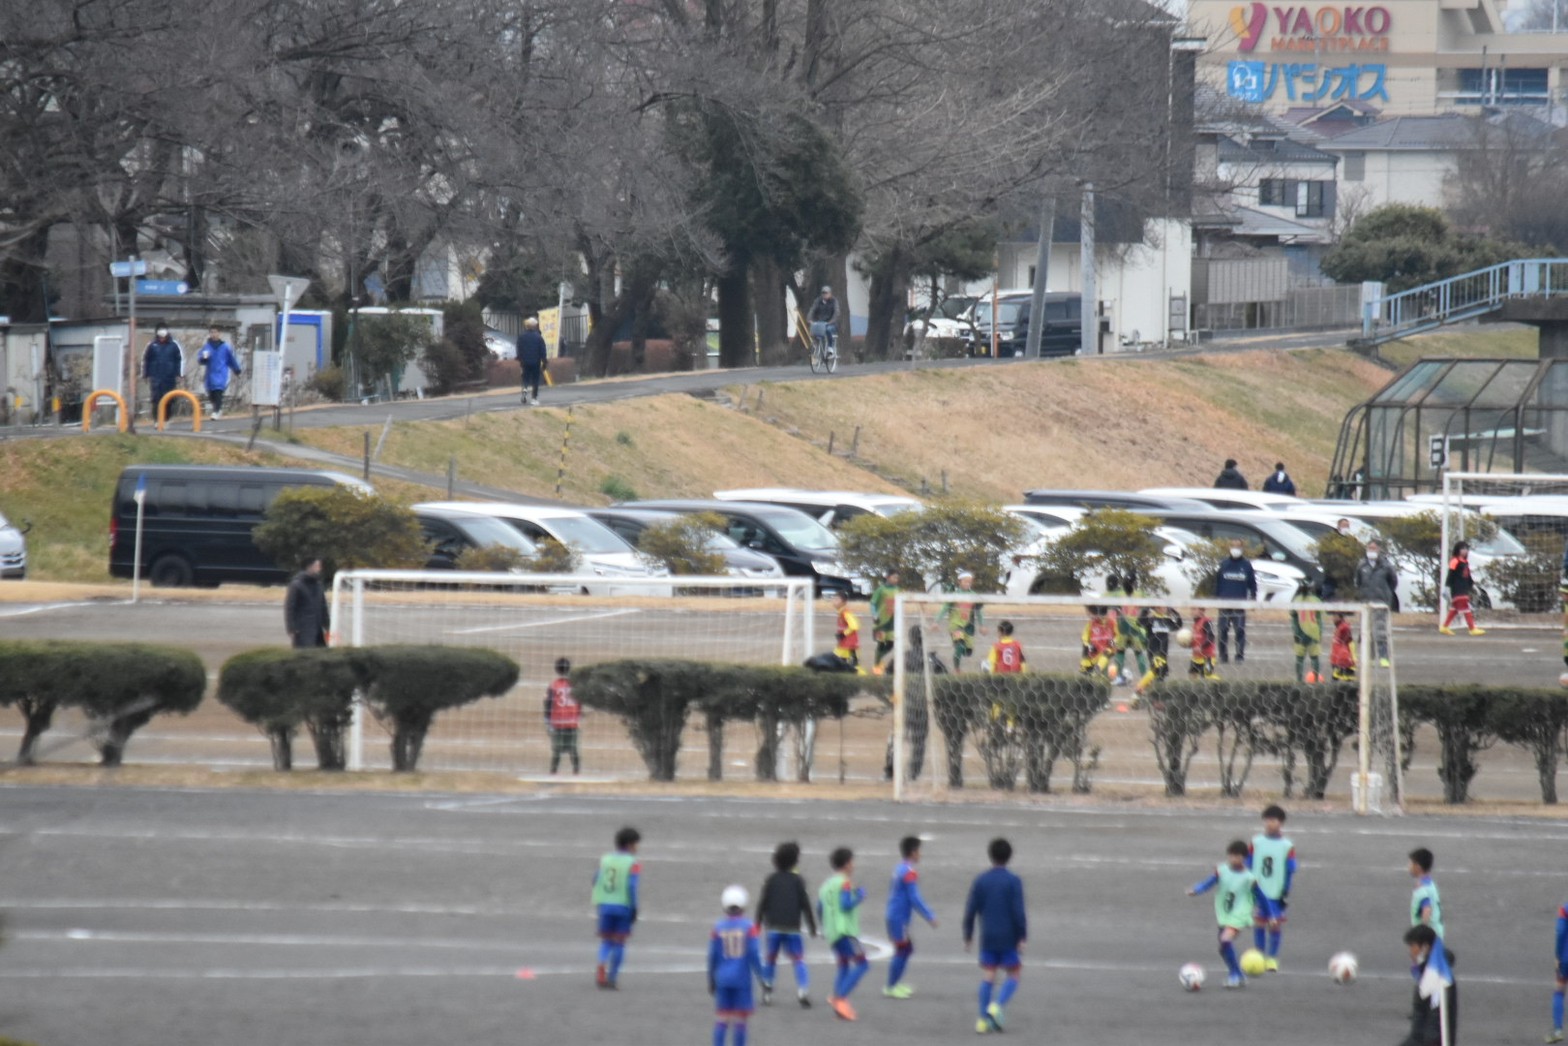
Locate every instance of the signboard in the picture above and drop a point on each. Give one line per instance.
(1437, 451)
(1308, 34)
(109, 363)
(126, 269)
(266, 379)
(550, 328)
(157, 288)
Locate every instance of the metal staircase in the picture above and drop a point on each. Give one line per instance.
(1464, 297)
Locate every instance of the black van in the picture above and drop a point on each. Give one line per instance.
(197, 521)
(1063, 331)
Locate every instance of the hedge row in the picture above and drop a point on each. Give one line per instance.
(118, 686)
(1021, 723)
(1469, 719)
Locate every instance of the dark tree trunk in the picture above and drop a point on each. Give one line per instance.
(767, 766)
(736, 340)
(327, 736)
(773, 331)
(23, 289)
(715, 746)
(282, 740)
(408, 738)
(889, 291)
(36, 717)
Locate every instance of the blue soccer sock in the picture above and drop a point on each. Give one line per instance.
(719, 1028)
(985, 995)
(802, 978)
(1259, 936)
(840, 979)
(617, 953)
(739, 1038)
(1228, 953)
(605, 949)
(895, 969)
(1275, 936)
(1557, 1009)
(768, 970)
(1009, 989)
(852, 977)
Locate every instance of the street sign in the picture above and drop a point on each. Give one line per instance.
(287, 289)
(266, 369)
(1437, 451)
(141, 489)
(126, 269)
(161, 288)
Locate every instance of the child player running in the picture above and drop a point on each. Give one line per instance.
(780, 910)
(1232, 905)
(903, 901)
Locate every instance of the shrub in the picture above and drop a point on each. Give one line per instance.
(1180, 713)
(1533, 719)
(409, 685)
(1338, 555)
(1020, 723)
(446, 366)
(1111, 542)
(346, 528)
(652, 697)
(1530, 581)
(1464, 728)
(279, 690)
(491, 559)
(1415, 542)
(775, 697)
(329, 383)
(552, 557)
(930, 547)
(617, 489)
(683, 545)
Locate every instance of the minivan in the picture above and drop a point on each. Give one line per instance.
(1062, 334)
(831, 508)
(197, 521)
(13, 549)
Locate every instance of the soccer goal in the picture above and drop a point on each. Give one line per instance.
(1517, 545)
(1133, 697)
(535, 619)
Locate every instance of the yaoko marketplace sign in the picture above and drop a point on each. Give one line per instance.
(1302, 31)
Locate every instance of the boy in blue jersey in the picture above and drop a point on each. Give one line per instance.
(903, 900)
(996, 899)
(1232, 905)
(781, 908)
(733, 959)
(1561, 956)
(615, 895)
(1425, 906)
(1272, 858)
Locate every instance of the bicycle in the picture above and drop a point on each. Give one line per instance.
(824, 350)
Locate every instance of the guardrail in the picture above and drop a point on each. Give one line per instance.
(1463, 297)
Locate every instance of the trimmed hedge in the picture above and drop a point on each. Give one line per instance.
(1470, 719)
(278, 690)
(118, 686)
(1022, 723)
(409, 685)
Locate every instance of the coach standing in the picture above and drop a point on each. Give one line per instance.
(1235, 579)
(305, 614)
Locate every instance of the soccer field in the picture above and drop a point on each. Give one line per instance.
(144, 917)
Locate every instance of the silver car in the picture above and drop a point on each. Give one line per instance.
(13, 549)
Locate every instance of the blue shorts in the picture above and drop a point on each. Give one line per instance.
(615, 921)
(897, 932)
(1007, 960)
(848, 950)
(1562, 971)
(791, 943)
(1269, 910)
(733, 1000)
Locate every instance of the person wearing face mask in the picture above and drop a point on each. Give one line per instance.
(163, 365)
(1376, 581)
(1235, 579)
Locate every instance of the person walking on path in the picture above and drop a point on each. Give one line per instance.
(163, 365)
(219, 363)
(533, 354)
(305, 614)
(1230, 478)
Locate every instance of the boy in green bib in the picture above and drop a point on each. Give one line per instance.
(1232, 904)
(838, 910)
(1273, 861)
(1425, 907)
(615, 897)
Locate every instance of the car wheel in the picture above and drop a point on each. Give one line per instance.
(171, 571)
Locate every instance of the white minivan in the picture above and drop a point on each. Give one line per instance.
(601, 551)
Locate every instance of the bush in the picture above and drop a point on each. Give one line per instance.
(1533, 719)
(329, 383)
(1338, 556)
(409, 685)
(385, 344)
(552, 557)
(491, 559)
(279, 690)
(1464, 725)
(1415, 543)
(651, 697)
(1110, 542)
(1530, 581)
(775, 697)
(617, 489)
(930, 547)
(346, 528)
(446, 366)
(38, 678)
(1020, 723)
(683, 545)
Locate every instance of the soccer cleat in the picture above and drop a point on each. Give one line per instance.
(898, 991)
(534, 401)
(1444, 630)
(1271, 965)
(993, 1013)
(804, 999)
(767, 995)
(1235, 980)
(842, 1009)
(1556, 1035)
(982, 1026)
(1382, 662)
(1478, 631)
(601, 976)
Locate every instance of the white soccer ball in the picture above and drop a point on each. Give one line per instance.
(1184, 637)
(1191, 977)
(1342, 968)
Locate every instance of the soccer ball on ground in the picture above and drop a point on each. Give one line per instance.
(1191, 976)
(1253, 963)
(1562, 680)
(1184, 637)
(1342, 968)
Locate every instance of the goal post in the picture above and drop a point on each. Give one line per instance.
(1113, 697)
(536, 619)
(1518, 572)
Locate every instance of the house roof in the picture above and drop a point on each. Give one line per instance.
(1448, 131)
(1263, 150)
(1249, 222)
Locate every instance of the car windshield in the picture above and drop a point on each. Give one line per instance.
(718, 542)
(1009, 310)
(483, 530)
(1292, 540)
(954, 308)
(586, 535)
(801, 531)
(1501, 543)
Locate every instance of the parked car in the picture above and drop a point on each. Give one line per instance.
(197, 521)
(1111, 499)
(740, 562)
(13, 549)
(831, 508)
(1264, 534)
(953, 317)
(1008, 304)
(801, 545)
(1062, 334)
(451, 533)
(1246, 500)
(600, 550)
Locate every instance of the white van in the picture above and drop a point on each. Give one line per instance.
(1219, 497)
(831, 508)
(13, 549)
(601, 551)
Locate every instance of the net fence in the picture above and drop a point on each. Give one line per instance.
(1062, 694)
(1517, 525)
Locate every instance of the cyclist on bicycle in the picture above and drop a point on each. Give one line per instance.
(825, 311)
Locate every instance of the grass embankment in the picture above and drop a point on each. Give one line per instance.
(1475, 341)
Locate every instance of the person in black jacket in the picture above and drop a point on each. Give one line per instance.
(1460, 586)
(781, 907)
(1279, 481)
(305, 614)
(1230, 478)
(1235, 579)
(533, 354)
(1426, 1018)
(163, 365)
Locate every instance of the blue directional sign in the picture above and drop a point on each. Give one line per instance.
(161, 287)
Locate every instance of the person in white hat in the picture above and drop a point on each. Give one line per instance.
(734, 959)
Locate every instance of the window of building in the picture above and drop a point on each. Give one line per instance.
(1355, 167)
(1308, 199)
(1272, 192)
(1502, 87)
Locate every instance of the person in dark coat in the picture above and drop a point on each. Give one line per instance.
(1279, 481)
(1426, 1019)
(1235, 579)
(305, 614)
(533, 354)
(1229, 478)
(163, 365)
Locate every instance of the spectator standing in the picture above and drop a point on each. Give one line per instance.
(533, 354)
(1230, 478)
(218, 362)
(163, 365)
(1235, 579)
(1376, 582)
(1279, 481)
(305, 614)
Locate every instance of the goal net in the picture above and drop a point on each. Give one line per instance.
(1134, 697)
(1516, 525)
(536, 619)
